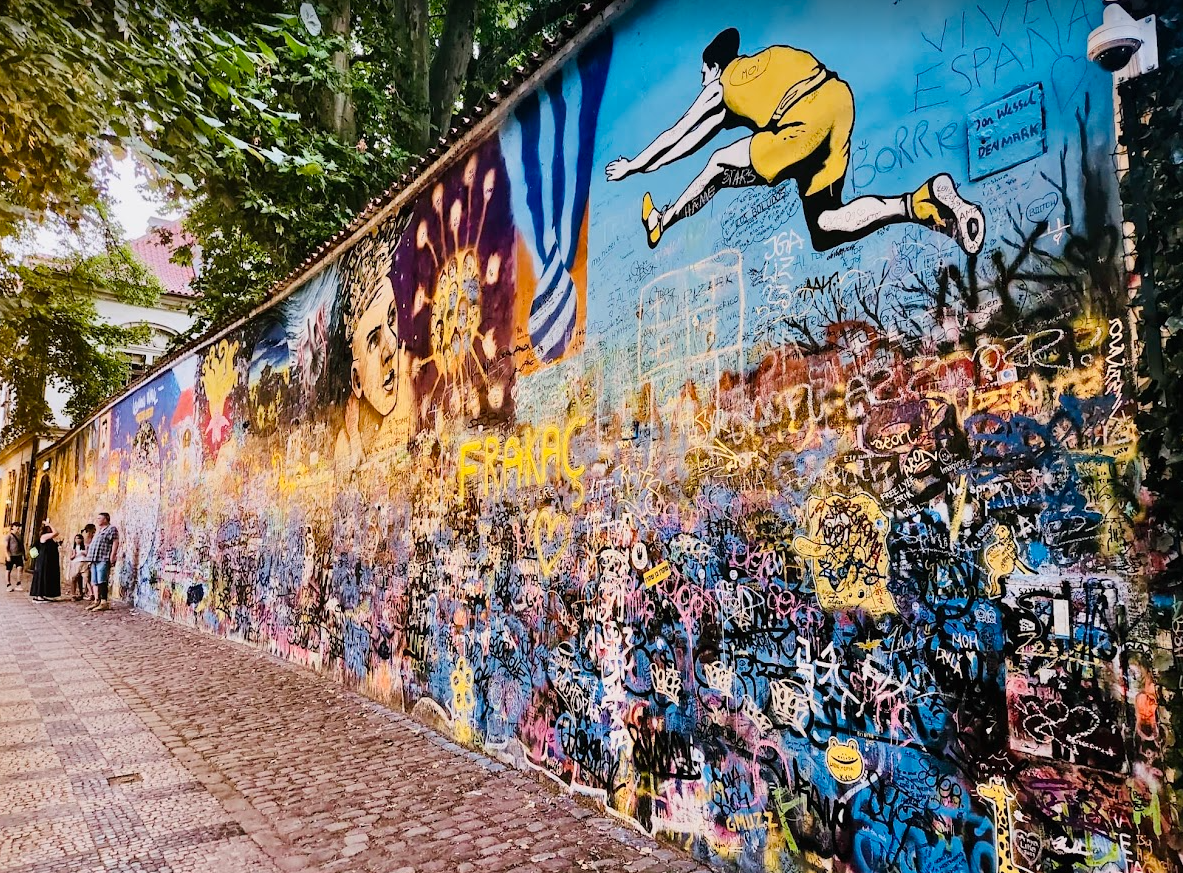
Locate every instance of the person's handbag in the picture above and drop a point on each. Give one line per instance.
(33, 552)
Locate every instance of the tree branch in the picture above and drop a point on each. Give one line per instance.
(493, 59)
(452, 58)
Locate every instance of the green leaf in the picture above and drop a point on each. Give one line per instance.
(246, 61)
(297, 48)
(267, 52)
(243, 146)
(276, 156)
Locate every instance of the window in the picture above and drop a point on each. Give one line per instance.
(141, 358)
(137, 365)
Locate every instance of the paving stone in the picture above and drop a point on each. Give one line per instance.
(246, 764)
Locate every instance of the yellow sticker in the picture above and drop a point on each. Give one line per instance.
(844, 760)
(658, 574)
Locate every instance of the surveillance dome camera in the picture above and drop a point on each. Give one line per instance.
(1116, 54)
(1121, 41)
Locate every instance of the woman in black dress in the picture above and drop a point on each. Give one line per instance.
(47, 570)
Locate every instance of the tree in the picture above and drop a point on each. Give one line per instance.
(86, 79)
(275, 134)
(374, 89)
(50, 332)
(82, 81)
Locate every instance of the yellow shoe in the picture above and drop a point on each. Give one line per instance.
(652, 234)
(937, 204)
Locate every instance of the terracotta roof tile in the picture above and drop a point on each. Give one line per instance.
(156, 256)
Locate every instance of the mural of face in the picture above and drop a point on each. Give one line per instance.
(376, 372)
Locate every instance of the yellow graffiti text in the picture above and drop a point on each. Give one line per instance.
(533, 458)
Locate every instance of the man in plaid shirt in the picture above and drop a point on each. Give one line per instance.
(103, 552)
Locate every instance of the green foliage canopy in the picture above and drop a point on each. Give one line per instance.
(81, 81)
(375, 88)
(273, 135)
(51, 335)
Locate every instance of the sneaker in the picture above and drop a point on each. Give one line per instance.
(937, 204)
(102, 607)
(9, 586)
(651, 218)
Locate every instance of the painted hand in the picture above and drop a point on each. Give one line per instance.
(619, 169)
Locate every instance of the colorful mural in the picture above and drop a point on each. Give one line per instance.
(657, 450)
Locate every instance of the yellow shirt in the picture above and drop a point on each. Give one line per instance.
(757, 87)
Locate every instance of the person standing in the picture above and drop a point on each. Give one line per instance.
(77, 565)
(88, 586)
(14, 555)
(47, 569)
(103, 553)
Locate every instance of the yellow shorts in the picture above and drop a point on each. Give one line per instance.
(823, 117)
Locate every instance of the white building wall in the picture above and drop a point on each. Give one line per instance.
(168, 316)
(169, 313)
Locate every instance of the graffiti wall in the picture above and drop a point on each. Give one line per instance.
(741, 434)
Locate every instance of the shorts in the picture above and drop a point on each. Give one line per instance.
(812, 137)
(100, 572)
(14, 561)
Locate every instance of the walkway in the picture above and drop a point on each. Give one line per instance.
(129, 744)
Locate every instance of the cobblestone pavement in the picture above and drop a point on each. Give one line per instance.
(130, 744)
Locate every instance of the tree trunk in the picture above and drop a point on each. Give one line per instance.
(490, 66)
(414, 36)
(451, 62)
(335, 109)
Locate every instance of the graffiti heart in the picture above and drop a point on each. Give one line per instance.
(552, 538)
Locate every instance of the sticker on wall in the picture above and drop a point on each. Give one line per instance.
(1007, 132)
(844, 760)
(658, 574)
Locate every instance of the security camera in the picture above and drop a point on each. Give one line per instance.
(1122, 45)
